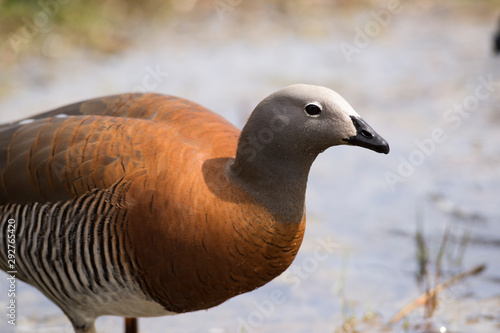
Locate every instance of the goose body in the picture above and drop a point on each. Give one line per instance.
(143, 205)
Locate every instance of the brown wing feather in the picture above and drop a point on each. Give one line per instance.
(143, 106)
(57, 157)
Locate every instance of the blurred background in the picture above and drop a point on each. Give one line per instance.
(381, 229)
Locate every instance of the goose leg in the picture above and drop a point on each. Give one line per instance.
(131, 325)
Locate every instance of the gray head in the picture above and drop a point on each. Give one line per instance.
(304, 120)
(283, 136)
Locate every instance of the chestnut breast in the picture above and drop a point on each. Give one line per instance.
(197, 237)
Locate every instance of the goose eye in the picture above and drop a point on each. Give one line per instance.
(313, 110)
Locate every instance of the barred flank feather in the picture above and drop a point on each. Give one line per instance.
(72, 251)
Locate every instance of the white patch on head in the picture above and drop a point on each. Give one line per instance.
(344, 105)
(318, 94)
(26, 121)
(62, 115)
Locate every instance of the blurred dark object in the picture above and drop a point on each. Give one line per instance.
(496, 47)
(496, 41)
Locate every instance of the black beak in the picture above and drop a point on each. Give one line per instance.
(366, 137)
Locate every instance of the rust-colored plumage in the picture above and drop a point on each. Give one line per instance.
(193, 228)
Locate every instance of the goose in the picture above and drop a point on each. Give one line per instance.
(142, 205)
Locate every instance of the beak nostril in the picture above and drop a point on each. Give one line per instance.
(366, 137)
(366, 134)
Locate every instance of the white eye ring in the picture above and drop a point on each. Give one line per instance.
(313, 109)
